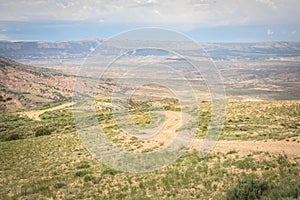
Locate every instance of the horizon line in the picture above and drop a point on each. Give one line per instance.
(105, 38)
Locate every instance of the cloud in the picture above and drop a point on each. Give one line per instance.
(269, 32)
(3, 37)
(179, 14)
(269, 3)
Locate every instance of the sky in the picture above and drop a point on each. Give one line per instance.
(201, 20)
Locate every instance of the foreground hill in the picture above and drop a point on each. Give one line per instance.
(23, 86)
(256, 158)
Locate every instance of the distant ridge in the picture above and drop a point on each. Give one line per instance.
(42, 50)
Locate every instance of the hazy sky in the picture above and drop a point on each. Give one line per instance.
(203, 20)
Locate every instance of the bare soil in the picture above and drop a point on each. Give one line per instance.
(35, 114)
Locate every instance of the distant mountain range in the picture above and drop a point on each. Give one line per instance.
(37, 50)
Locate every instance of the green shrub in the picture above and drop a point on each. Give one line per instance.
(248, 188)
(42, 131)
(291, 191)
(251, 188)
(13, 136)
(89, 177)
(109, 172)
(231, 152)
(59, 185)
(246, 163)
(82, 173)
(82, 165)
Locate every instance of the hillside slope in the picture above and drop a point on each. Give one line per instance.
(256, 152)
(23, 86)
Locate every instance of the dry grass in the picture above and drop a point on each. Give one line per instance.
(57, 166)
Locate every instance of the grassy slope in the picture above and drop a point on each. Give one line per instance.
(57, 166)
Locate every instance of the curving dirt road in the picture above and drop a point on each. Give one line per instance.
(173, 122)
(34, 114)
(173, 119)
(168, 133)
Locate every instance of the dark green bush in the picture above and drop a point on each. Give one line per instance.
(248, 188)
(109, 172)
(60, 185)
(82, 173)
(13, 136)
(82, 165)
(291, 191)
(251, 188)
(89, 177)
(42, 131)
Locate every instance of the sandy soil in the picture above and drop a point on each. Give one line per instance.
(245, 147)
(165, 136)
(168, 133)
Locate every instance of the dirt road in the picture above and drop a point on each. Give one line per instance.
(34, 114)
(168, 133)
(291, 148)
(244, 147)
(173, 122)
